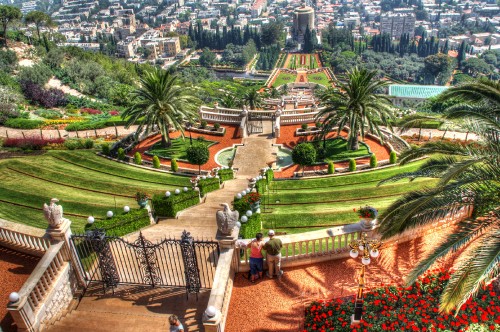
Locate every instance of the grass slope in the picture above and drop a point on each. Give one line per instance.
(178, 148)
(319, 78)
(284, 78)
(303, 205)
(84, 183)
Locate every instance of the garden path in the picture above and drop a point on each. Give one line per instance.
(281, 303)
(52, 133)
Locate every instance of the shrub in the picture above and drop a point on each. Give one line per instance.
(207, 185)
(203, 124)
(20, 123)
(72, 144)
(88, 143)
(121, 154)
(241, 205)
(331, 167)
(45, 97)
(105, 149)
(393, 157)
(216, 126)
(304, 126)
(304, 154)
(352, 165)
(49, 114)
(373, 161)
(198, 154)
(85, 125)
(251, 227)
(122, 224)
(30, 143)
(173, 165)
(225, 174)
(318, 124)
(90, 111)
(260, 186)
(156, 162)
(170, 206)
(137, 158)
(269, 175)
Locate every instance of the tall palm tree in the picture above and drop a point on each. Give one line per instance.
(160, 102)
(252, 99)
(469, 177)
(229, 100)
(356, 104)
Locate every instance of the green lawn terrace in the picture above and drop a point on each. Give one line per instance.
(302, 61)
(85, 184)
(293, 206)
(177, 149)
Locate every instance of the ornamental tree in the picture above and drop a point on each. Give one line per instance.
(198, 154)
(304, 154)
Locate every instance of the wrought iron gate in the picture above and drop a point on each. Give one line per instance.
(168, 263)
(254, 123)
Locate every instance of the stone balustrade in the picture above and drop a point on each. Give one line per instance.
(291, 118)
(23, 238)
(220, 117)
(29, 311)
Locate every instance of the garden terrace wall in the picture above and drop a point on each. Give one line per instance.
(26, 239)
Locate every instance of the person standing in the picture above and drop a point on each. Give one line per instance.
(175, 324)
(273, 250)
(256, 258)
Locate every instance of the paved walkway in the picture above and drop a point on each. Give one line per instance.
(52, 133)
(438, 133)
(278, 305)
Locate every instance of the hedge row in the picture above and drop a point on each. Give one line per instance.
(269, 175)
(225, 174)
(122, 224)
(20, 123)
(207, 185)
(251, 227)
(260, 186)
(241, 205)
(169, 206)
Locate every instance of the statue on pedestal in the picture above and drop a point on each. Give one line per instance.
(226, 219)
(53, 213)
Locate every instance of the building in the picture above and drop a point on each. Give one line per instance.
(303, 18)
(172, 46)
(397, 24)
(399, 93)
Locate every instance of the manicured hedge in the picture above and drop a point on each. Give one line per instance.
(20, 123)
(251, 227)
(261, 186)
(122, 224)
(207, 185)
(241, 205)
(86, 125)
(225, 174)
(169, 206)
(269, 175)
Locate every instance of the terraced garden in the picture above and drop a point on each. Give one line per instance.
(319, 78)
(284, 78)
(84, 183)
(177, 149)
(297, 206)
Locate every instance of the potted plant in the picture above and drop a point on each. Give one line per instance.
(367, 214)
(303, 127)
(142, 198)
(253, 199)
(216, 126)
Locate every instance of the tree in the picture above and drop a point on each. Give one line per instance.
(308, 41)
(475, 67)
(438, 67)
(356, 104)
(8, 14)
(469, 177)
(252, 99)
(271, 33)
(304, 154)
(39, 19)
(207, 58)
(198, 154)
(159, 103)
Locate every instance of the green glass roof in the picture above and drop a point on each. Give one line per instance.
(415, 91)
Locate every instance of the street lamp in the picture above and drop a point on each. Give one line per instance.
(368, 248)
(189, 125)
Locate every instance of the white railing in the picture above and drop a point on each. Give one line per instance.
(27, 310)
(290, 118)
(218, 117)
(25, 239)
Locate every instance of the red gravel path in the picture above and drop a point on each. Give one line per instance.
(15, 268)
(225, 141)
(278, 305)
(288, 139)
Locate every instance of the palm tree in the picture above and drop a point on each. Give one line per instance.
(159, 102)
(252, 99)
(229, 100)
(356, 104)
(469, 177)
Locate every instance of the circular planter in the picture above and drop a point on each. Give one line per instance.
(368, 223)
(143, 203)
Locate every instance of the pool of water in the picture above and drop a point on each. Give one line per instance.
(284, 157)
(225, 156)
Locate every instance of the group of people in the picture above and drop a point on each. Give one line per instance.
(273, 256)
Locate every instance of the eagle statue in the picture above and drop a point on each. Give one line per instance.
(53, 213)
(226, 219)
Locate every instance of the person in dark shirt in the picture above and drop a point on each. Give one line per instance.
(273, 250)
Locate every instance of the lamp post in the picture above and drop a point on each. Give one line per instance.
(188, 125)
(368, 248)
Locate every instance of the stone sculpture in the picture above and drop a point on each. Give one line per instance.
(226, 219)
(53, 213)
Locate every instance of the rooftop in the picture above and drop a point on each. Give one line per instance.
(415, 91)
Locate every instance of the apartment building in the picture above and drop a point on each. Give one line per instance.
(397, 24)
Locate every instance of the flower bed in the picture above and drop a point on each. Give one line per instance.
(414, 308)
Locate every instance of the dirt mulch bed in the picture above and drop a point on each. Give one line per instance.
(15, 268)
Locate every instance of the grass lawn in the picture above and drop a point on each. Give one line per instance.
(336, 149)
(84, 183)
(284, 78)
(305, 205)
(319, 78)
(178, 148)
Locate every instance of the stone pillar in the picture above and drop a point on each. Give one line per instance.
(212, 319)
(228, 241)
(62, 232)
